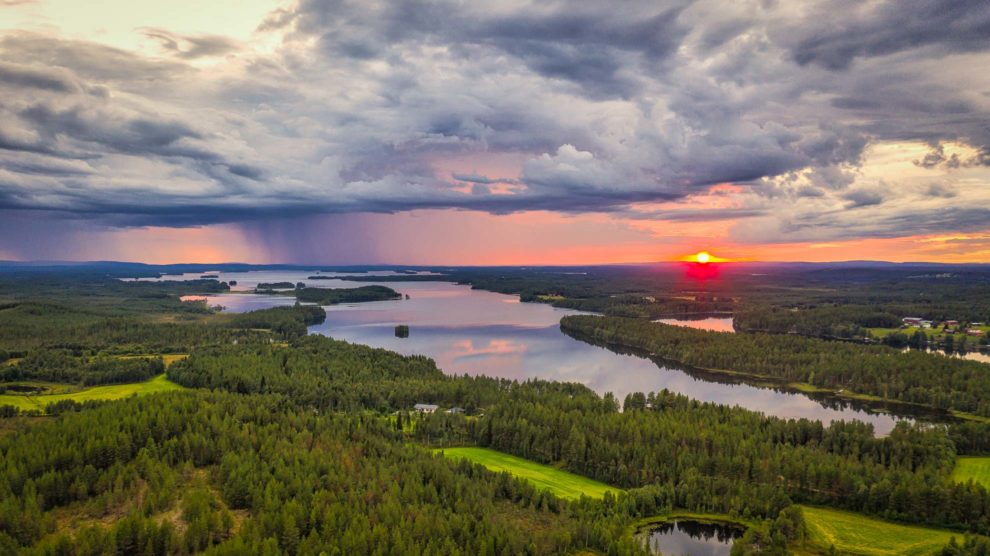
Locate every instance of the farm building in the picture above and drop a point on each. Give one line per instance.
(425, 407)
(912, 321)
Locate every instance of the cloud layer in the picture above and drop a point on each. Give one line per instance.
(639, 109)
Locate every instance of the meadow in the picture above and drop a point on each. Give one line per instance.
(853, 533)
(975, 468)
(107, 392)
(560, 483)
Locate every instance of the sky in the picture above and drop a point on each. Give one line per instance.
(502, 132)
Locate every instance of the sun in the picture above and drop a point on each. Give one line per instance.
(704, 258)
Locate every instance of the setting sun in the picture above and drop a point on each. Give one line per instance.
(703, 257)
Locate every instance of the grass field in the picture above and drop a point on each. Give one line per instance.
(974, 468)
(853, 533)
(561, 483)
(930, 332)
(108, 392)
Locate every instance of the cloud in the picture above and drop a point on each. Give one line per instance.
(38, 78)
(862, 198)
(190, 47)
(484, 180)
(339, 106)
(885, 27)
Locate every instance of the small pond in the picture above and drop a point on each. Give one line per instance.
(692, 538)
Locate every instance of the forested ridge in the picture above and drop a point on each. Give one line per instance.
(341, 483)
(62, 366)
(915, 377)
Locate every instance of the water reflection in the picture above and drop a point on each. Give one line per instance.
(692, 538)
(479, 332)
(714, 324)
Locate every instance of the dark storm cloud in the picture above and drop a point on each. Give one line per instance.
(833, 39)
(581, 42)
(378, 107)
(39, 78)
(862, 198)
(484, 180)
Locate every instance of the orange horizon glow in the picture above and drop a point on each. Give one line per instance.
(704, 257)
(471, 238)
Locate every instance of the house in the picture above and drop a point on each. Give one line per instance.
(948, 330)
(425, 407)
(974, 332)
(951, 323)
(912, 321)
(455, 410)
(926, 324)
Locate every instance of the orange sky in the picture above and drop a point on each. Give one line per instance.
(472, 238)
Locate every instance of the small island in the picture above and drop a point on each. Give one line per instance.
(328, 296)
(325, 296)
(263, 286)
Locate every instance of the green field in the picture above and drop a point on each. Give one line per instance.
(853, 533)
(108, 392)
(560, 483)
(932, 333)
(974, 468)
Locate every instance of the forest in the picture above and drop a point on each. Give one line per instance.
(287, 443)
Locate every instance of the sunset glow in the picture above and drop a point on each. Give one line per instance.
(177, 133)
(704, 258)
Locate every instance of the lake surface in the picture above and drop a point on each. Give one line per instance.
(691, 538)
(480, 332)
(715, 324)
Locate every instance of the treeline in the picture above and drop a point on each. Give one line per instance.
(59, 365)
(287, 321)
(42, 326)
(836, 321)
(678, 453)
(932, 380)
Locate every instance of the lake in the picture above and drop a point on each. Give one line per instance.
(713, 324)
(480, 332)
(692, 538)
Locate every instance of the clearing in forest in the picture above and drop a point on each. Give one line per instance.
(853, 533)
(561, 483)
(107, 392)
(975, 468)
